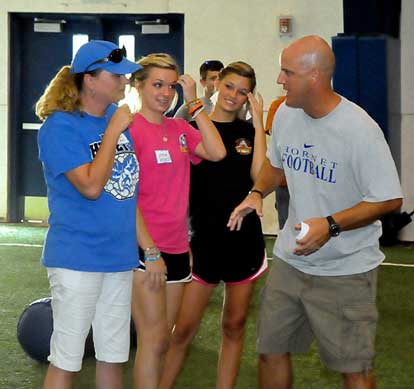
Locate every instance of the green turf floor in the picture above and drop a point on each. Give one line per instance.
(23, 280)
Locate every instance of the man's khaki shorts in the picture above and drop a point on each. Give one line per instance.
(339, 312)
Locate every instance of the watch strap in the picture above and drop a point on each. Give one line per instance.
(331, 220)
(334, 227)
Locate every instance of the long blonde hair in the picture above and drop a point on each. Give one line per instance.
(62, 94)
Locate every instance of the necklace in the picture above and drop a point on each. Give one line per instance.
(164, 135)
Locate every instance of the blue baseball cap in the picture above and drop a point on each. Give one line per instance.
(102, 55)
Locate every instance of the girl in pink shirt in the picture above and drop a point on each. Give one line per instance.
(165, 148)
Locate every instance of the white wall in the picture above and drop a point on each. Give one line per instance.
(227, 30)
(4, 69)
(248, 30)
(407, 112)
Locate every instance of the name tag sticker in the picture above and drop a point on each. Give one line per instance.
(163, 156)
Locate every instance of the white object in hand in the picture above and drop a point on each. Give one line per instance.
(304, 228)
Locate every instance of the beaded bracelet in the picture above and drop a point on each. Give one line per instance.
(195, 108)
(151, 254)
(152, 259)
(193, 102)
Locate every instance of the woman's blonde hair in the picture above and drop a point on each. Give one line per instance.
(62, 94)
(158, 60)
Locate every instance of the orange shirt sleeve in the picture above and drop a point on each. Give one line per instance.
(268, 128)
(271, 113)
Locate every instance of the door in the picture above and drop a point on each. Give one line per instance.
(149, 34)
(40, 45)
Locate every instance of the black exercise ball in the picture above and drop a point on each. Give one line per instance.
(35, 327)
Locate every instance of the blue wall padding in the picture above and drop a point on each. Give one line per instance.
(361, 74)
(373, 79)
(346, 78)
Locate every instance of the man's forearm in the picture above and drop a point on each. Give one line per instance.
(269, 178)
(365, 213)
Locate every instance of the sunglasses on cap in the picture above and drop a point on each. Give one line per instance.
(115, 56)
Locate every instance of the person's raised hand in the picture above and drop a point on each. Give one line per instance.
(121, 118)
(189, 87)
(256, 109)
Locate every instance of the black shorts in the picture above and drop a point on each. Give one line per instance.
(229, 256)
(178, 266)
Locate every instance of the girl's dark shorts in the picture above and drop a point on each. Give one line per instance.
(178, 266)
(231, 257)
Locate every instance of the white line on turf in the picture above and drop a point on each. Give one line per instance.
(21, 245)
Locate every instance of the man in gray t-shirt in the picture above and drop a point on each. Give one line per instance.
(209, 71)
(342, 179)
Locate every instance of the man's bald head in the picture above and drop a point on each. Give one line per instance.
(307, 66)
(313, 52)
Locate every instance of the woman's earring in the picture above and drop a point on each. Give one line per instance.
(93, 93)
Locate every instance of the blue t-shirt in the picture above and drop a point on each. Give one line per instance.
(88, 235)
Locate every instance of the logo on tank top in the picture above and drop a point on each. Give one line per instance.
(183, 143)
(243, 146)
(308, 162)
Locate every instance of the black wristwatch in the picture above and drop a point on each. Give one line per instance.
(334, 227)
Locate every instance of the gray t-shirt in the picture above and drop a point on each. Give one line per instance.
(182, 112)
(332, 163)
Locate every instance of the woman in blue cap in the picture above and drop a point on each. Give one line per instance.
(90, 250)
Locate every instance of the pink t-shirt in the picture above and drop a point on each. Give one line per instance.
(164, 153)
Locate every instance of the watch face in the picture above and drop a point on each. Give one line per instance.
(334, 230)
